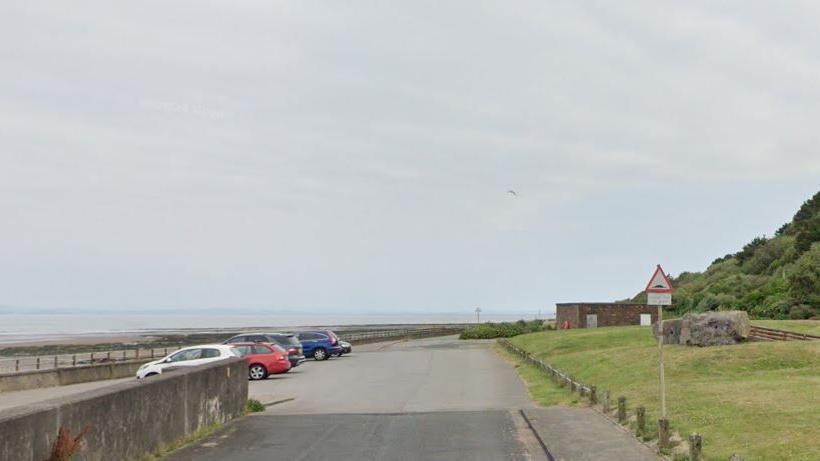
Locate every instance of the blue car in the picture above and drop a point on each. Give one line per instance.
(319, 344)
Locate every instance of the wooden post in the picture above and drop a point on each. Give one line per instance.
(621, 409)
(166, 352)
(74, 360)
(661, 377)
(17, 365)
(607, 407)
(571, 384)
(92, 357)
(38, 363)
(641, 413)
(152, 353)
(108, 356)
(593, 394)
(56, 363)
(124, 356)
(695, 447)
(137, 353)
(663, 433)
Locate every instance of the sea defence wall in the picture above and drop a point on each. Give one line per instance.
(130, 420)
(36, 379)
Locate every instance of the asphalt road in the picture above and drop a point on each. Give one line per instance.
(432, 399)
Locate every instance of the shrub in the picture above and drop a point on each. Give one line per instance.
(491, 330)
(254, 406)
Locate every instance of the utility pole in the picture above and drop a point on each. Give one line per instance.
(477, 315)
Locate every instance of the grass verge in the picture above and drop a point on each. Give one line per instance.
(760, 400)
(541, 389)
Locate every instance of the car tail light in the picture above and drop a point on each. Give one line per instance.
(333, 340)
(293, 350)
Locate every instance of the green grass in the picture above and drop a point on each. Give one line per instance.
(811, 327)
(761, 400)
(539, 386)
(254, 406)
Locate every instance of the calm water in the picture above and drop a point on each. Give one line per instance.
(16, 327)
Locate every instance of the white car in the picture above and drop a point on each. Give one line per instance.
(188, 357)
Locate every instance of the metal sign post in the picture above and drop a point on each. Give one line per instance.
(659, 293)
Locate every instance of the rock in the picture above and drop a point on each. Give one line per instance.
(708, 329)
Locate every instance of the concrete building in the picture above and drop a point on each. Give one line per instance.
(592, 315)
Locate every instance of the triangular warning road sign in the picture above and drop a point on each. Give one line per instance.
(659, 283)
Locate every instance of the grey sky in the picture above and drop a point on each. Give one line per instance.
(356, 155)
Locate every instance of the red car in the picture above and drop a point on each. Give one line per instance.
(263, 359)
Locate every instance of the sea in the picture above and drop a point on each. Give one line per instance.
(36, 327)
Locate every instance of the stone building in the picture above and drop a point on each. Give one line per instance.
(592, 315)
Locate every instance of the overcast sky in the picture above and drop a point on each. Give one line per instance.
(356, 156)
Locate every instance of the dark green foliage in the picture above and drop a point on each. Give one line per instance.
(804, 278)
(775, 277)
(806, 224)
(801, 312)
(749, 249)
(492, 330)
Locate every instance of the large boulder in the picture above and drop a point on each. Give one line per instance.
(708, 329)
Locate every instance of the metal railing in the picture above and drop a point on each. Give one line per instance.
(399, 333)
(57, 361)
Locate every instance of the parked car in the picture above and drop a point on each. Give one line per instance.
(319, 344)
(286, 340)
(346, 347)
(187, 357)
(264, 359)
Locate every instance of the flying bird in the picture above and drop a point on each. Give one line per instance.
(513, 193)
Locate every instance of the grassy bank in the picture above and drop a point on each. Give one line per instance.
(761, 400)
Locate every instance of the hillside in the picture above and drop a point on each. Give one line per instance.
(777, 277)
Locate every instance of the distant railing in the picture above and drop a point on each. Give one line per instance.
(57, 361)
(400, 333)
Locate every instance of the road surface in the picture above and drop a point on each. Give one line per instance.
(432, 399)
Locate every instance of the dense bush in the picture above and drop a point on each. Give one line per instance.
(492, 330)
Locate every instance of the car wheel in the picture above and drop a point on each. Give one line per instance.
(257, 372)
(320, 354)
(151, 374)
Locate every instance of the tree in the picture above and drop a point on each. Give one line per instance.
(804, 279)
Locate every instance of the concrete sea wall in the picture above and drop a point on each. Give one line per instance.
(130, 420)
(63, 376)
